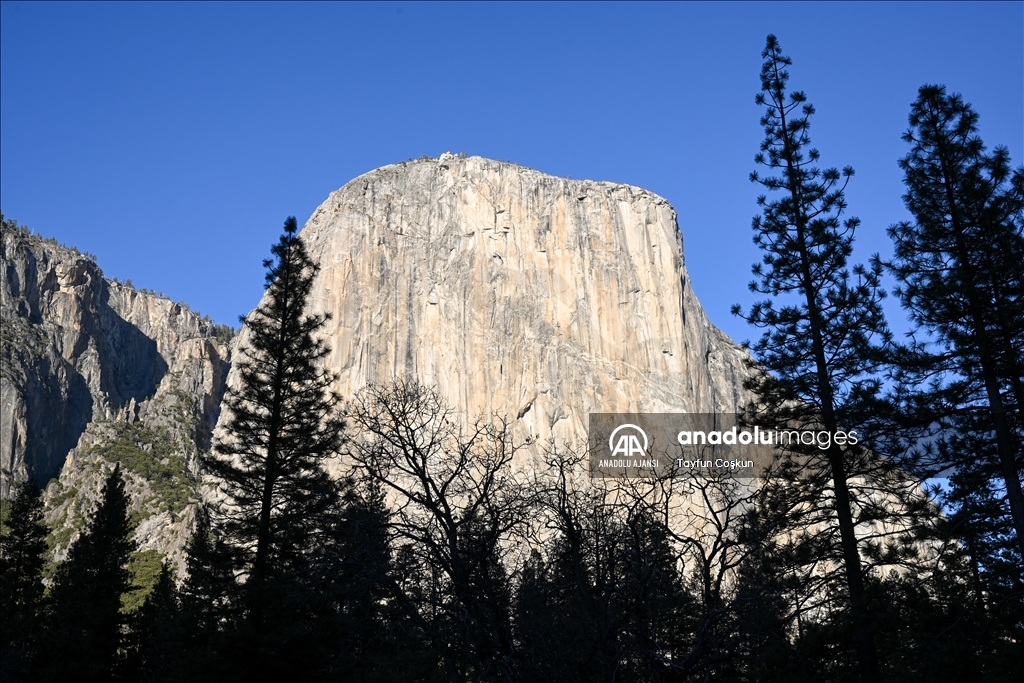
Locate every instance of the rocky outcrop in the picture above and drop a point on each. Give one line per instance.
(516, 293)
(89, 364)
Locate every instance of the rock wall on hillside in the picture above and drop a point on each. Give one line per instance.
(93, 372)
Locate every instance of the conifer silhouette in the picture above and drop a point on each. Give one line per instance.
(22, 549)
(86, 638)
(283, 427)
(960, 264)
(822, 324)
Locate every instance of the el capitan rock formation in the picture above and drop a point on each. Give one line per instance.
(516, 293)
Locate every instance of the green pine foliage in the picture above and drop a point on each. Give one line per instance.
(145, 568)
(153, 455)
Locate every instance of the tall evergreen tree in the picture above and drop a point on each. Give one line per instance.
(282, 428)
(22, 548)
(960, 264)
(85, 639)
(360, 633)
(821, 322)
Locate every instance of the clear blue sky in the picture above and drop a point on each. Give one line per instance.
(173, 139)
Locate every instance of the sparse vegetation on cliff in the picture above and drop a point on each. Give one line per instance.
(11, 227)
(155, 456)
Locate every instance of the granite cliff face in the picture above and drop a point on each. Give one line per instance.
(95, 372)
(516, 293)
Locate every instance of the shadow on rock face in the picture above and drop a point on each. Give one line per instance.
(69, 358)
(130, 364)
(58, 409)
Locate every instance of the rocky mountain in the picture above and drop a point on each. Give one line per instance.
(95, 372)
(515, 293)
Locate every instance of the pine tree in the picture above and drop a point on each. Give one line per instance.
(960, 264)
(85, 637)
(22, 549)
(821, 324)
(358, 630)
(208, 591)
(283, 426)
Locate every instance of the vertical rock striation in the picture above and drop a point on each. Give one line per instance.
(516, 293)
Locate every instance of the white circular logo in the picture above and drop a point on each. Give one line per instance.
(628, 445)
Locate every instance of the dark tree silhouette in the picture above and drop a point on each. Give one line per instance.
(159, 632)
(86, 636)
(287, 576)
(201, 617)
(22, 549)
(960, 265)
(282, 428)
(363, 632)
(208, 592)
(603, 597)
(818, 342)
(457, 510)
